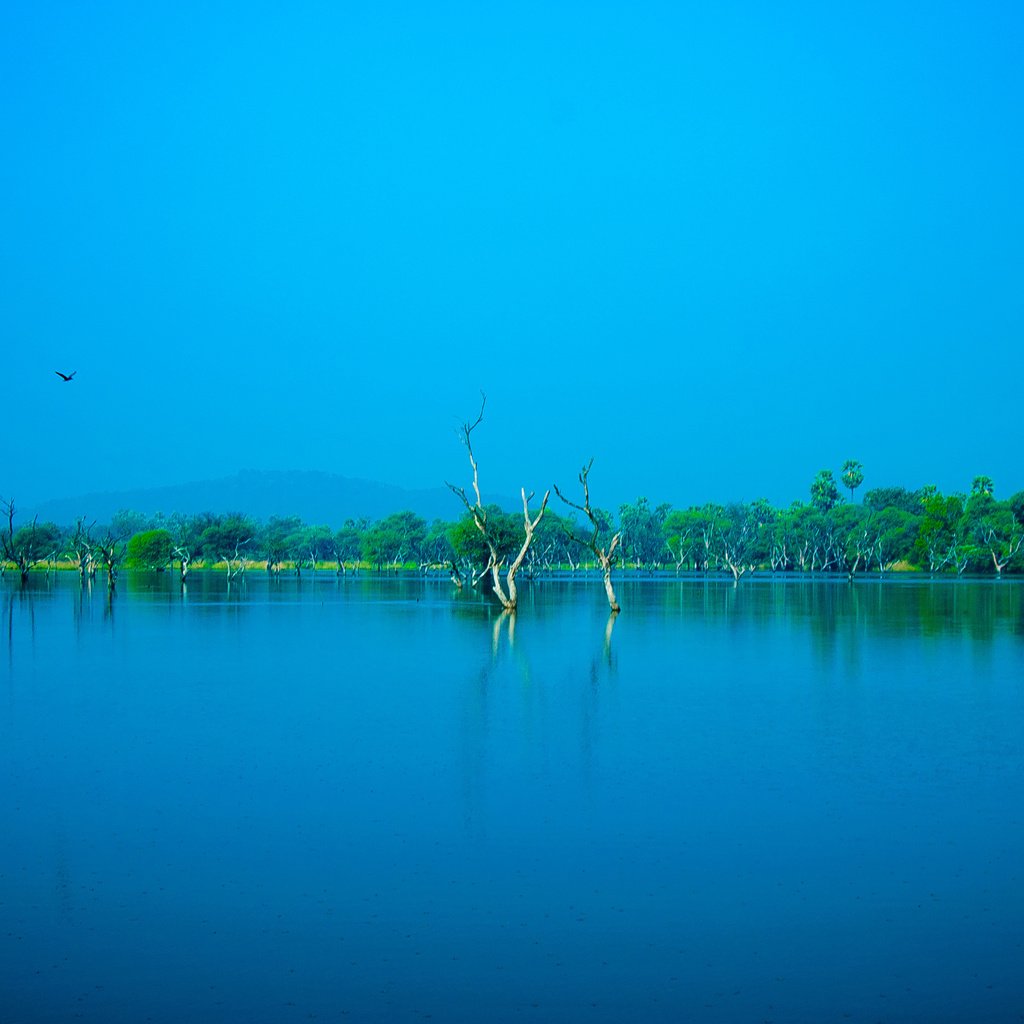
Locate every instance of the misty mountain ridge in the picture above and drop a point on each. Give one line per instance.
(317, 497)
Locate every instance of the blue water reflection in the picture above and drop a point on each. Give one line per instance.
(370, 800)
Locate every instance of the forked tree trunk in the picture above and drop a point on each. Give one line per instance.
(508, 598)
(185, 562)
(605, 557)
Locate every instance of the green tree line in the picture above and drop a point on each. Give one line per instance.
(890, 528)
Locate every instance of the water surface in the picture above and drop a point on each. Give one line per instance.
(367, 800)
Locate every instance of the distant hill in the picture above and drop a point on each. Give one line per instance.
(316, 497)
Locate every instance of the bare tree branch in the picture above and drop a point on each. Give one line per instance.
(479, 513)
(605, 556)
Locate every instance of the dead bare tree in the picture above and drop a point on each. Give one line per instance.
(235, 561)
(605, 555)
(507, 594)
(7, 548)
(185, 560)
(111, 551)
(20, 548)
(80, 545)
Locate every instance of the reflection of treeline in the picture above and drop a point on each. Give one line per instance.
(837, 615)
(891, 528)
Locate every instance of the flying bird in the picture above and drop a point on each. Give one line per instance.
(65, 376)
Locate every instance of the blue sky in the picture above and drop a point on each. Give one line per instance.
(716, 246)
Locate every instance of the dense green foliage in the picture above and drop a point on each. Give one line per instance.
(150, 549)
(893, 527)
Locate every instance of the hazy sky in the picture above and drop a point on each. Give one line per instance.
(718, 246)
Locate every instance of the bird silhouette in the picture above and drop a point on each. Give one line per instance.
(65, 376)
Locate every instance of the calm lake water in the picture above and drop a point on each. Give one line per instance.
(366, 800)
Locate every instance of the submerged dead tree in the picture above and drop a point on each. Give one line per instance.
(20, 547)
(235, 561)
(507, 594)
(29, 545)
(110, 552)
(80, 545)
(184, 559)
(605, 555)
